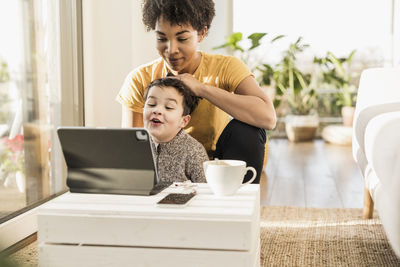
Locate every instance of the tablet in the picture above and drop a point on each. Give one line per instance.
(108, 160)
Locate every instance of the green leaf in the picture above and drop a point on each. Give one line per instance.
(267, 73)
(281, 88)
(232, 42)
(277, 102)
(277, 38)
(350, 57)
(235, 37)
(255, 39)
(220, 46)
(338, 65)
(300, 79)
(291, 76)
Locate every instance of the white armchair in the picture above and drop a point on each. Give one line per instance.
(376, 146)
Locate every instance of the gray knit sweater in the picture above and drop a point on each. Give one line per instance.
(180, 159)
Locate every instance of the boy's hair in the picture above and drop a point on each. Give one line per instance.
(190, 101)
(197, 13)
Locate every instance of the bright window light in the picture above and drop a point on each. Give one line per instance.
(338, 26)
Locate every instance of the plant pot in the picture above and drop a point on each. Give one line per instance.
(348, 115)
(301, 127)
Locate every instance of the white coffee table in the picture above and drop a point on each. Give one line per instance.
(120, 230)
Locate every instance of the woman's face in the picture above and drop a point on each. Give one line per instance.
(177, 45)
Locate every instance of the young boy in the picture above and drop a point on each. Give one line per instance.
(168, 105)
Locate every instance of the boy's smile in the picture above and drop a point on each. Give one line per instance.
(155, 121)
(163, 113)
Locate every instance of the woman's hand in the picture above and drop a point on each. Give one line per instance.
(194, 85)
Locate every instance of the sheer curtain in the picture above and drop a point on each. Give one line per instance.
(34, 95)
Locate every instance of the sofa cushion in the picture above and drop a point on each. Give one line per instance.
(378, 93)
(382, 147)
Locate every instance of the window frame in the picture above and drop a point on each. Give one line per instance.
(23, 223)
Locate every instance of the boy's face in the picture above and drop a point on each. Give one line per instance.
(163, 113)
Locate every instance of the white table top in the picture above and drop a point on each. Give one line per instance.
(205, 204)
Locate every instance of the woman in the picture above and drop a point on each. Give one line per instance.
(224, 83)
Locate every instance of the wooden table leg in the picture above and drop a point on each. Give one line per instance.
(368, 205)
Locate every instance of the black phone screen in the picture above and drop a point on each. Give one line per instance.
(176, 199)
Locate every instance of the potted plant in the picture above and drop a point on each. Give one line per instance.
(294, 87)
(336, 74)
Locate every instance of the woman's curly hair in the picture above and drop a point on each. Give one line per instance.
(197, 13)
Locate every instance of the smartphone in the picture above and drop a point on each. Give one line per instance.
(176, 200)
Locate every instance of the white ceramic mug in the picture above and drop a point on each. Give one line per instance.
(225, 177)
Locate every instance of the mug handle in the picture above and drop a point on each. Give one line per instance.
(254, 174)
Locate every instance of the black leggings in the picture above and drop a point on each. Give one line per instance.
(241, 141)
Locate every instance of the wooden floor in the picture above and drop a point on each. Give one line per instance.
(311, 174)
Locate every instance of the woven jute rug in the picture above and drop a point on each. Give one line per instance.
(305, 237)
(323, 237)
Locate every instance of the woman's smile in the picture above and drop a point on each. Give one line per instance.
(175, 61)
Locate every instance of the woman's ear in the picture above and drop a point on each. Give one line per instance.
(202, 34)
(185, 120)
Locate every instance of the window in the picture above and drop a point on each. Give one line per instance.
(39, 90)
(335, 25)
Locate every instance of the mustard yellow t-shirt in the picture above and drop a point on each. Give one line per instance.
(208, 121)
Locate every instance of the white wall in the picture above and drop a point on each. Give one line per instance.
(396, 34)
(115, 42)
(221, 26)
